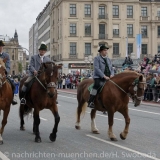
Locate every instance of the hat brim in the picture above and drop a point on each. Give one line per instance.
(102, 49)
(2, 45)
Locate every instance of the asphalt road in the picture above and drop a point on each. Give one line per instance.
(142, 141)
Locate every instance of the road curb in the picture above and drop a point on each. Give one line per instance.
(142, 103)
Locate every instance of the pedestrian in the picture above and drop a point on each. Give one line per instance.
(16, 83)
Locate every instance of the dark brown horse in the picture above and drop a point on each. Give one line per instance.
(114, 97)
(43, 94)
(6, 96)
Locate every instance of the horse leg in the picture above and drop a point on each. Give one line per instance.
(37, 122)
(81, 108)
(4, 122)
(123, 135)
(21, 111)
(110, 122)
(93, 124)
(53, 135)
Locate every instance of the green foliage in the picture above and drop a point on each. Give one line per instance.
(20, 67)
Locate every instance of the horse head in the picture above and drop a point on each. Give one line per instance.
(136, 90)
(2, 71)
(49, 75)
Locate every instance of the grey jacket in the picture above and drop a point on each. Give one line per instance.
(99, 67)
(6, 55)
(35, 63)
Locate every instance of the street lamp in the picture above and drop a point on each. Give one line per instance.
(90, 60)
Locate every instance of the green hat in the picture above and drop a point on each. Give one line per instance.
(43, 47)
(1, 43)
(102, 48)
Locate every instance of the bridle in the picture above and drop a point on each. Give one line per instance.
(47, 85)
(136, 86)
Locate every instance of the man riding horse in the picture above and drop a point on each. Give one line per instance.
(4, 55)
(34, 66)
(102, 71)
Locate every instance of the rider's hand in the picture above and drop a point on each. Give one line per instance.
(107, 78)
(35, 72)
(111, 76)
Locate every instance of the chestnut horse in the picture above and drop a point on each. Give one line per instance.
(42, 95)
(6, 96)
(113, 97)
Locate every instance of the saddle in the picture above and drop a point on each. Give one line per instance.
(101, 85)
(29, 85)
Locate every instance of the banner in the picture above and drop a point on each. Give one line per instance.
(139, 44)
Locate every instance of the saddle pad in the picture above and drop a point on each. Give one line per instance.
(100, 90)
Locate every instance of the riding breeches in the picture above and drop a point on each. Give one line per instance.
(28, 80)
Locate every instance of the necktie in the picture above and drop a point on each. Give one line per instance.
(41, 59)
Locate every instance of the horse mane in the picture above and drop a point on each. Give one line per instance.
(127, 73)
(2, 63)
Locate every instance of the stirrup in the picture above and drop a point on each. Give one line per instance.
(23, 101)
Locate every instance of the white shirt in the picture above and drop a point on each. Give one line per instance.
(41, 58)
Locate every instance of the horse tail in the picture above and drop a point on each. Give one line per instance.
(24, 110)
(84, 108)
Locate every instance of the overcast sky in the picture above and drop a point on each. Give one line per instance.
(19, 15)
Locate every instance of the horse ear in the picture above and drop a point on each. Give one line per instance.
(140, 78)
(5, 60)
(44, 65)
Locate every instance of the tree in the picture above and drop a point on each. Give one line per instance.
(20, 67)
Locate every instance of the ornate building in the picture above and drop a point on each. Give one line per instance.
(17, 55)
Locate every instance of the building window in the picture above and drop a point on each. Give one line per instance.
(115, 30)
(115, 11)
(130, 30)
(101, 31)
(129, 11)
(130, 48)
(87, 48)
(144, 11)
(73, 48)
(73, 29)
(13, 57)
(87, 29)
(87, 10)
(72, 10)
(101, 12)
(158, 12)
(144, 48)
(158, 31)
(115, 48)
(158, 48)
(144, 31)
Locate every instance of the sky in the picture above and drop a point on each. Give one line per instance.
(19, 15)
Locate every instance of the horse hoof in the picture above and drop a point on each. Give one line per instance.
(95, 132)
(22, 128)
(1, 142)
(52, 137)
(114, 139)
(38, 140)
(122, 137)
(78, 127)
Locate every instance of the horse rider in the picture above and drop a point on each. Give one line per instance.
(7, 64)
(34, 66)
(103, 71)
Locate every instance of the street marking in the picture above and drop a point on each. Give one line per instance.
(106, 116)
(128, 108)
(3, 156)
(39, 117)
(144, 111)
(67, 97)
(122, 147)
